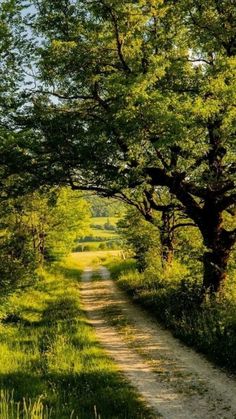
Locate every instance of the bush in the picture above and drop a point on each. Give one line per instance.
(88, 248)
(102, 246)
(17, 261)
(92, 239)
(109, 227)
(97, 226)
(125, 266)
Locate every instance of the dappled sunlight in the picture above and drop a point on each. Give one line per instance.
(49, 351)
(172, 378)
(83, 259)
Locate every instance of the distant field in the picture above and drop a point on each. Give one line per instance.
(83, 259)
(103, 233)
(100, 237)
(104, 220)
(92, 245)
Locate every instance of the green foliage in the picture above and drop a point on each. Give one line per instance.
(17, 259)
(139, 237)
(143, 240)
(176, 301)
(66, 216)
(49, 354)
(38, 227)
(131, 99)
(102, 207)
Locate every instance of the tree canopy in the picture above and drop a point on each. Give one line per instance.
(135, 96)
(39, 227)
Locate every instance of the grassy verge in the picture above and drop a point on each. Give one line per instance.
(50, 362)
(209, 327)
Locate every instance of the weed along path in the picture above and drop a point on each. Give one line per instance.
(175, 382)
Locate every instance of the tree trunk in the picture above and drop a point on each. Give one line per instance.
(167, 254)
(215, 263)
(219, 243)
(167, 237)
(41, 247)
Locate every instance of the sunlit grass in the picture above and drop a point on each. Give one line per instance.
(82, 259)
(107, 234)
(99, 237)
(103, 220)
(49, 355)
(25, 409)
(209, 325)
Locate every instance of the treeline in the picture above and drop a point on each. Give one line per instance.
(45, 225)
(134, 100)
(38, 228)
(103, 207)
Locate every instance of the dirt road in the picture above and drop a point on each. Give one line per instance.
(175, 382)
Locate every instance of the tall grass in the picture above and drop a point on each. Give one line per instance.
(175, 300)
(10, 409)
(50, 356)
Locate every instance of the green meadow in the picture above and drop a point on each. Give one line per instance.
(102, 235)
(51, 365)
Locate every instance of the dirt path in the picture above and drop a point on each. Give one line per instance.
(176, 382)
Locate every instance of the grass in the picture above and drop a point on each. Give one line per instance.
(51, 364)
(115, 317)
(104, 234)
(94, 258)
(118, 267)
(103, 220)
(209, 327)
(10, 409)
(100, 237)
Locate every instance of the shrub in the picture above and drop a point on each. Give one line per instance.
(102, 246)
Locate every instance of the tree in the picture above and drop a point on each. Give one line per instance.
(38, 227)
(101, 207)
(140, 95)
(139, 236)
(53, 220)
(152, 253)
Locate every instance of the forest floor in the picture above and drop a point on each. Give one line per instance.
(173, 379)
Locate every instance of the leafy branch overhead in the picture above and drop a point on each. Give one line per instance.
(136, 99)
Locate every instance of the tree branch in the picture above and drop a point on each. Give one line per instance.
(61, 96)
(176, 186)
(183, 225)
(226, 202)
(119, 42)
